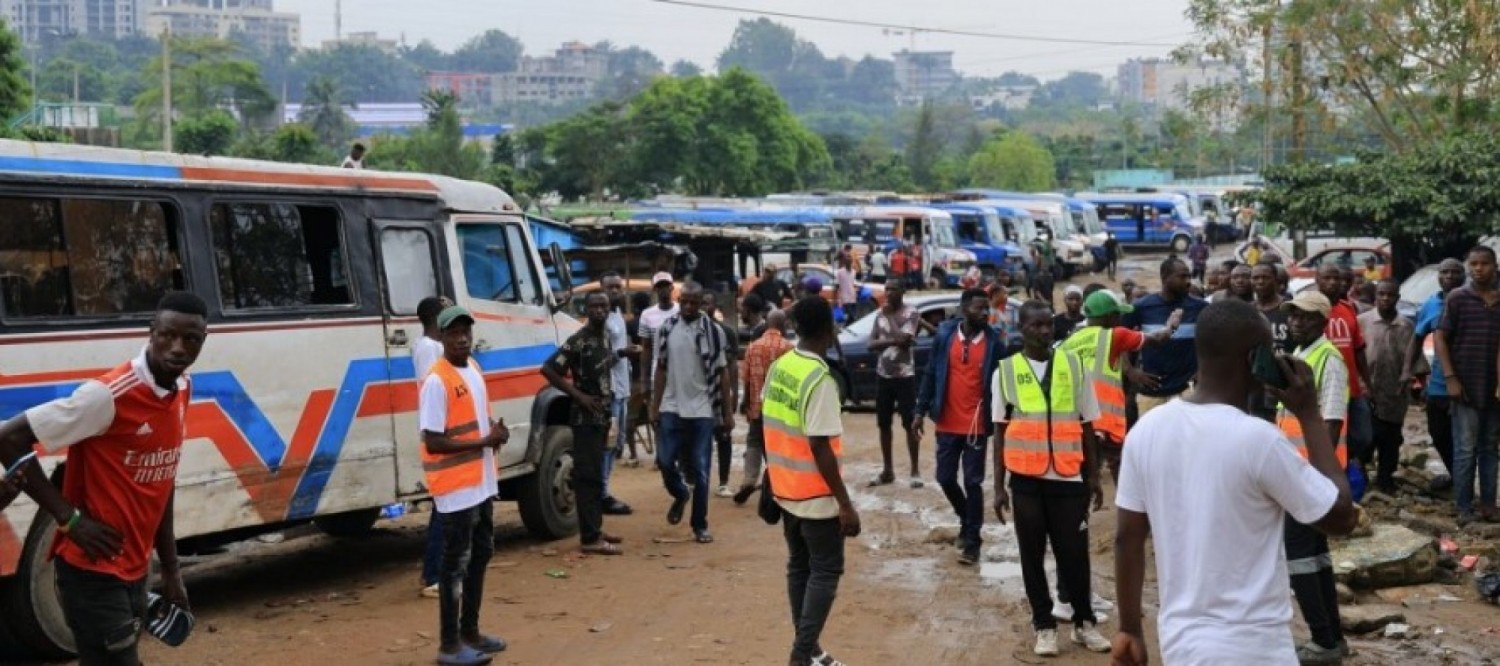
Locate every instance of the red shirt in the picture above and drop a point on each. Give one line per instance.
(964, 394)
(124, 476)
(1123, 341)
(898, 262)
(1343, 331)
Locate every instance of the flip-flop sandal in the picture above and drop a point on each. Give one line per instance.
(883, 480)
(703, 537)
(602, 548)
(466, 656)
(489, 644)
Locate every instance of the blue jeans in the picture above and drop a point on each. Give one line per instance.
(1475, 433)
(1361, 427)
(696, 437)
(967, 499)
(432, 558)
(619, 410)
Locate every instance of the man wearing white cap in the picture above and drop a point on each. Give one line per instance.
(1065, 322)
(651, 320)
(1307, 556)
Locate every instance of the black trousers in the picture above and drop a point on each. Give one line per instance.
(724, 448)
(1386, 445)
(1311, 568)
(105, 614)
(588, 479)
(815, 562)
(1054, 512)
(1440, 426)
(468, 544)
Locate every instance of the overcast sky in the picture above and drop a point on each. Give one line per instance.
(678, 32)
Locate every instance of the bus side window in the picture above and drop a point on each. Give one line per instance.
(86, 257)
(406, 255)
(497, 264)
(277, 255)
(520, 258)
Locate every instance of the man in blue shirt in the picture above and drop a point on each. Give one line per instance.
(1439, 407)
(1165, 370)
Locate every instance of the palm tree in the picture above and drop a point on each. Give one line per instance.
(323, 111)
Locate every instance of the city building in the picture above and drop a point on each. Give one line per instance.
(399, 119)
(37, 20)
(1008, 98)
(363, 39)
(1164, 84)
(256, 20)
(923, 74)
(572, 72)
(472, 88)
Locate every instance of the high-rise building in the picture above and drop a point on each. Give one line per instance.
(1164, 84)
(571, 73)
(38, 20)
(256, 20)
(923, 74)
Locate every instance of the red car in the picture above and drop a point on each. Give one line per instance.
(1347, 256)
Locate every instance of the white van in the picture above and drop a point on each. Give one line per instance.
(305, 398)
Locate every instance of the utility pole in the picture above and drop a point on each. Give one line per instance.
(166, 89)
(1299, 126)
(338, 20)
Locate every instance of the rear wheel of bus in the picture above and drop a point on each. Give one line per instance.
(546, 499)
(32, 606)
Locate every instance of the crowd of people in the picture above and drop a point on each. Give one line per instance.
(1239, 429)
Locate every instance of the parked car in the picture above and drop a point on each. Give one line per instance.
(855, 370)
(1417, 289)
(1344, 256)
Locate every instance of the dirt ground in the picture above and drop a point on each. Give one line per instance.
(904, 599)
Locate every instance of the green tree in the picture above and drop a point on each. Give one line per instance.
(426, 56)
(437, 148)
(15, 92)
(1082, 89)
(630, 70)
(323, 112)
(793, 66)
(683, 69)
(492, 51)
(208, 133)
(60, 78)
(365, 73)
(1014, 161)
(208, 77)
(925, 147)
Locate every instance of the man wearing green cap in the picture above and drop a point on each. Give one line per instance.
(1104, 345)
(459, 440)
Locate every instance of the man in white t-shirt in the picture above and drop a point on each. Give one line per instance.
(1212, 485)
(651, 321)
(424, 353)
(458, 462)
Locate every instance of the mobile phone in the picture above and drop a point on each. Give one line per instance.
(1265, 367)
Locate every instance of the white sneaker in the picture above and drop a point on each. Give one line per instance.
(430, 592)
(1088, 636)
(1101, 605)
(1064, 612)
(1046, 643)
(724, 491)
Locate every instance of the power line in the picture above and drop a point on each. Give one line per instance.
(897, 26)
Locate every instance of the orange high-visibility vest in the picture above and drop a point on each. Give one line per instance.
(1093, 344)
(794, 474)
(1044, 431)
(1318, 358)
(450, 472)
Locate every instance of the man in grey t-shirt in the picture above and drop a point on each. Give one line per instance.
(892, 337)
(693, 392)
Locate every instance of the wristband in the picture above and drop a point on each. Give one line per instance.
(72, 522)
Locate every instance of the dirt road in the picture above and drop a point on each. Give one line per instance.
(904, 599)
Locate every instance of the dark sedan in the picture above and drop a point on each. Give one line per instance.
(856, 370)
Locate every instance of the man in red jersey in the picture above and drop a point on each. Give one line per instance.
(123, 433)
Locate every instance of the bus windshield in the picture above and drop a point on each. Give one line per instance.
(992, 227)
(1091, 223)
(969, 226)
(942, 233)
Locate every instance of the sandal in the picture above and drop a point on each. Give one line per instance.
(601, 547)
(702, 536)
(885, 479)
(610, 538)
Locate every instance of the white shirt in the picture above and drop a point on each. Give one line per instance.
(877, 263)
(88, 412)
(1084, 400)
(822, 418)
(1333, 394)
(432, 416)
(619, 339)
(351, 163)
(423, 354)
(650, 322)
(1216, 485)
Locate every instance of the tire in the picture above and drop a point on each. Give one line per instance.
(1179, 244)
(348, 525)
(547, 504)
(33, 608)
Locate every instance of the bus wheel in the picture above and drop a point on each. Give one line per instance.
(547, 504)
(1179, 243)
(349, 524)
(33, 608)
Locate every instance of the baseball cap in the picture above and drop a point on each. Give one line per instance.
(170, 623)
(452, 314)
(1309, 301)
(1103, 303)
(812, 285)
(661, 277)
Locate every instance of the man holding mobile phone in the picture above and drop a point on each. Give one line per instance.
(1307, 554)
